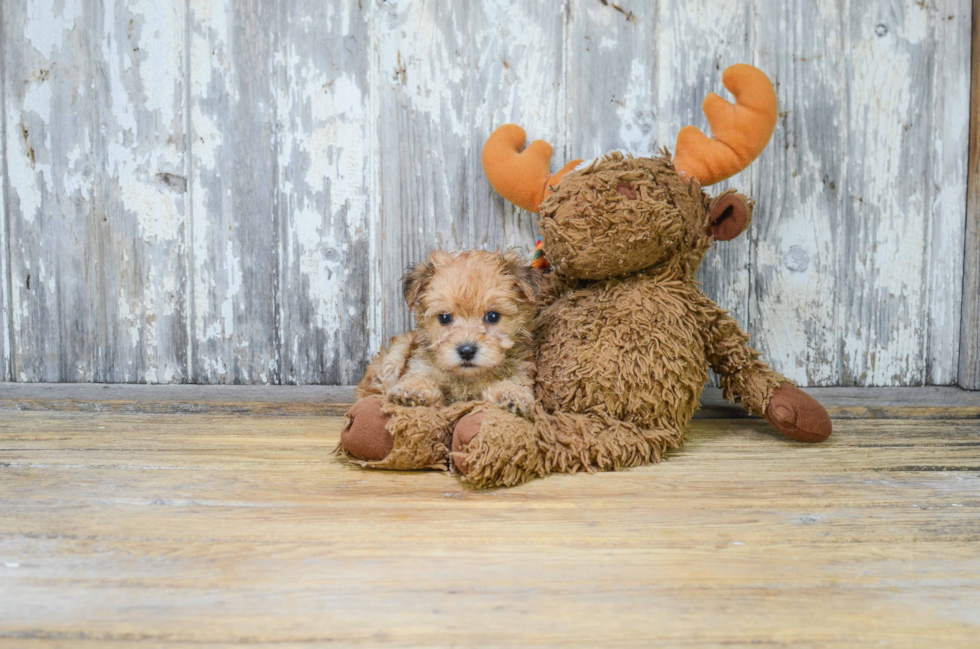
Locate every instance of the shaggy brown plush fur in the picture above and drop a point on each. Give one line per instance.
(510, 450)
(627, 338)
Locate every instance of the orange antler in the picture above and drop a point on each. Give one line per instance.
(523, 178)
(741, 131)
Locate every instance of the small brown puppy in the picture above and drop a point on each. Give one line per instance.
(474, 338)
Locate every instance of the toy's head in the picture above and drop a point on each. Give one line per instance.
(620, 214)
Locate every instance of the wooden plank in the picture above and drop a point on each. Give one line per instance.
(845, 233)
(235, 228)
(94, 141)
(52, 139)
(449, 73)
(5, 308)
(969, 362)
(613, 71)
(179, 392)
(946, 137)
(796, 231)
(326, 196)
(141, 185)
(931, 402)
(841, 403)
(288, 272)
(886, 245)
(204, 529)
(722, 31)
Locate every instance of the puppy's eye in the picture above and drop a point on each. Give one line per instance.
(445, 319)
(492, 317)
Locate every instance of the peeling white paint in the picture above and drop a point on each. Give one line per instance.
(337, 148)
(637, 121)
(143, 120)
(430, 81)
(882, 345)
(32, 176)
(234, 279)
(48, 21)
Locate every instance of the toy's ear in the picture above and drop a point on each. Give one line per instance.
(729, 215)
(414, 281)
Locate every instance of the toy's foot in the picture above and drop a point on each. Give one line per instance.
(382, 435)
(466, 429)
(797, 415)
(366, 436)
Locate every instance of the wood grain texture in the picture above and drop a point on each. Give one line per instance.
(142, 186)
(197, 529)
(52, 199)
(227, 191)
(5, 308)
(887, 239)
(870, 93)
(235, 229)
(326, 191)
(797, 228)
(95, 144)
(948, 75)
(969, 361)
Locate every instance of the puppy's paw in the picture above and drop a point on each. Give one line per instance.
(416, 393)
(513, 398)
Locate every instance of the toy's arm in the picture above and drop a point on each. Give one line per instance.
(743, 376)
(762, 390)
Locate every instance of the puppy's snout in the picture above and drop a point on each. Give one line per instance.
(467, 351)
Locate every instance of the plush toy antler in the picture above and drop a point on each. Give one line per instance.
(741, 131)
(523, 178)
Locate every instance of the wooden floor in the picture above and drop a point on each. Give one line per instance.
(160, 529)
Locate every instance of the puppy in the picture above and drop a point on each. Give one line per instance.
(474, 312)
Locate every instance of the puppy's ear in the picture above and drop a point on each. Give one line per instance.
(415, 280)
(527, 279)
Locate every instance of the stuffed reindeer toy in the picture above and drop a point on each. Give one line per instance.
(625, 335)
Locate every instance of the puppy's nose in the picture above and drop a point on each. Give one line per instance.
(467, 351)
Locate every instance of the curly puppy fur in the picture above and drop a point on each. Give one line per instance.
(475, 312)
(474, 342)
(626, 336)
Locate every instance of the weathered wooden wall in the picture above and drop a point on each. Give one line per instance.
(226, 191)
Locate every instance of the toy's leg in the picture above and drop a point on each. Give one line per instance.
(493, 447)
(762, 390)
(382, 435)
